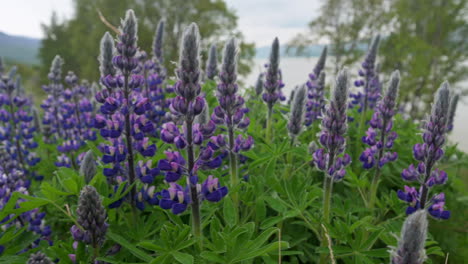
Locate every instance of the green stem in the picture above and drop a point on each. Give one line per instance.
(196, 218)
(289, 161)
(269, 124)
(327, 194)
(373, 189)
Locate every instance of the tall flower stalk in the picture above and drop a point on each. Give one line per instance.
(369, 79)
(91, 217)
(231, 110)
(330, 158)
(428, 154)
(379, 136)
(272, 85)
(17, 127)
(315, 90)
(452, 111)
(413, 237)
(185, 107)
(297, 114)
(52, 115)
(212, 63)
(123, 120)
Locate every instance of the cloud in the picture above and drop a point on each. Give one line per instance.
(262, 20)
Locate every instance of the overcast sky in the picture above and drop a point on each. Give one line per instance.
(260, 20)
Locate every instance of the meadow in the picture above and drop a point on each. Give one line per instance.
(149, 166)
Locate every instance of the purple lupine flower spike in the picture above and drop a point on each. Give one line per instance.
(185, 106)
(411, 244)
(272, 79)
(91, 216)
(428, 154)
(53, 120)
(296, 118)
(369, 79)
(107, 53)
(231, 111)
(158, 42)
(212, 63)
(452, 111)
(315, 93)
(39, 258)
(17, 127)
(334, 128)
(379, 136)
(189, 108)
(316, 100)
(259, 85)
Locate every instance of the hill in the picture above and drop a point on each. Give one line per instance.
(19, 49)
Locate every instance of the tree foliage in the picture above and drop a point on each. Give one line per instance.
(77, 39)
(425, 40)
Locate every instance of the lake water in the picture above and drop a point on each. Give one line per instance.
(296, 70)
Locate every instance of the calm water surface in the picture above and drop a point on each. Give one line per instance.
(296, 71)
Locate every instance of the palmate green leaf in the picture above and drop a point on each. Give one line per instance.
(24, 206)
(51, 192)
(183, 258)
(377, 253)
(11, 234)
(151, 245)
(13, 259)
(229, 211)
(129, 246)
(273, 247)
(212, 256)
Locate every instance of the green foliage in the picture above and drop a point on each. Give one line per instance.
(425, 40)
(214, 20)
(280, 212)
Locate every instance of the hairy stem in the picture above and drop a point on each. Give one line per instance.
(269, 124)
(196, 218)
(128, 136)
(233, 167)
(327, 195)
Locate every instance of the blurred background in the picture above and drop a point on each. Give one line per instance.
(425, 40)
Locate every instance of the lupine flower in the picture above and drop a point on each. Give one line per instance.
(185, 107)
(315, 93)
(17, 128)
(452, 111)
(12, 181)
(379, 135)
(212, 63)
(123, 120)
(91, 216)
(39, 258)
(259, 84)
(231, 110)
(370, 80)
(428, 154)
(78, 117)
(88, 166)
(412, 240)
(296, 118)
(328, 158)
(53, 120)
(158, 46)
(105, 57)
(272, 82)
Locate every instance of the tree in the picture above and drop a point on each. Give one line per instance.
(428, 45)
(77, 40)
(346, 25)
(425, 40)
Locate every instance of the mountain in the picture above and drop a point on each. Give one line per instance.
(19, 49)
